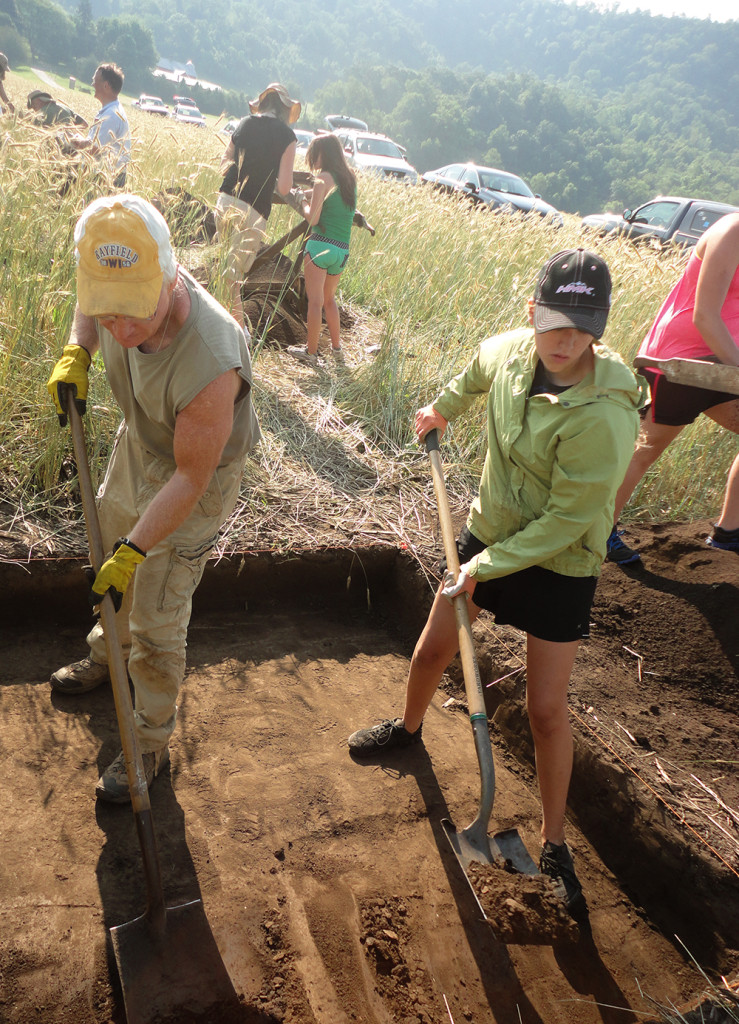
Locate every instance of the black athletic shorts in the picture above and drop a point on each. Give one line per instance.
(676, 405)
(546, 604)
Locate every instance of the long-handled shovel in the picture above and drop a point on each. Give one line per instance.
(696, 372)
(473, 843)
(167, 959)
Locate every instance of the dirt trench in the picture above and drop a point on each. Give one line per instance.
(329, 884)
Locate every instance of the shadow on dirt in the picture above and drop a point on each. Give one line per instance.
(580, 962)
(120, 868)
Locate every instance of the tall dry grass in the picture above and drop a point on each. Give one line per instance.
(445, 275)
(440, 274)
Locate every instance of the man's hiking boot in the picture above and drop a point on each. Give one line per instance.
(725, 540)
(113, 783)
(384, 736)
(80, 676)
(556, 863)
(618, 552)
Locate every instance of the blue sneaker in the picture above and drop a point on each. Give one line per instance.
(618, 552)
(725, 540)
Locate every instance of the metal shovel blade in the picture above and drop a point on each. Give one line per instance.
(472, 845)
(171, 973)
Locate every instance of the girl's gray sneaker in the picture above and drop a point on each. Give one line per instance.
(301, 353)
(384, 736)
(556, 863)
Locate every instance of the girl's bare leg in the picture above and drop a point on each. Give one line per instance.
(314, 282)
(657, 437)
(237, 306)
(331, 310)
(727, 415)
(548, 670)
(437, 645)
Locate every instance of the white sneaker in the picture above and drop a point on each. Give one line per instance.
(301, 353)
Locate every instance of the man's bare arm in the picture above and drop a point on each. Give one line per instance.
(201, 432)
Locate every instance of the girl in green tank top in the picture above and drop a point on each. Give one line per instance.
(330, 215)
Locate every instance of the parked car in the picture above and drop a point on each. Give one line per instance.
(376, 154)
(336, 121)
(151, 105)
(229, 127)
(664, 220)
(304, 138)
(184, 101)
(500, 189)
(186, 114)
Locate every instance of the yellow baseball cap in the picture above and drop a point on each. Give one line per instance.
(123, 250)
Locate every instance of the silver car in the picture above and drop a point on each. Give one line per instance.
(500, 189)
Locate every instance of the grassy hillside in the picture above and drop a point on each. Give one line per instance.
(439, 276)
(594, 109)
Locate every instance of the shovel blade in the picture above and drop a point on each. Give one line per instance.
(474, 845)
(166, 974)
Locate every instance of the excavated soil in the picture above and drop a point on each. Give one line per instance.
(329, 884)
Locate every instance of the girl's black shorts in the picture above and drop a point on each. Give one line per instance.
(675, 405)
(546, 604)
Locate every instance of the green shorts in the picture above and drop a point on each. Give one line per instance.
(328, 254)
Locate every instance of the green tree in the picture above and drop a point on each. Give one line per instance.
(10, 10)
(128, 44)
(84, 42)
(49, 30)
(15, 46)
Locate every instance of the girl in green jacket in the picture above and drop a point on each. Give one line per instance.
(562, 421)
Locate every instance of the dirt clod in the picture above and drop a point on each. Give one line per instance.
(521, 909)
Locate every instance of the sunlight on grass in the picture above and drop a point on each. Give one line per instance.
(440, 274)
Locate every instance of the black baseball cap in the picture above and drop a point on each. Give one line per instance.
(573, 289)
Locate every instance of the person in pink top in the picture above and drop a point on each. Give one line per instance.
(699, 319)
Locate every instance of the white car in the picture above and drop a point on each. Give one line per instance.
(337, 122)
(186, 114)
(151, 105)
(377, 154)
(304, 139)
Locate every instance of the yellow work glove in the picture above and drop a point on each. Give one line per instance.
(115, 574)
(70, 372)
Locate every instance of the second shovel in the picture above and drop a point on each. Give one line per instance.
(473, 844)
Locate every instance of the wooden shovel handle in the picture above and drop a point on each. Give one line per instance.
(119, 679)
(472, 681)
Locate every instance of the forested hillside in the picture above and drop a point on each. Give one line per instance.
(591, 108)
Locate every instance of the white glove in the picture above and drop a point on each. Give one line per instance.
(453, 588)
